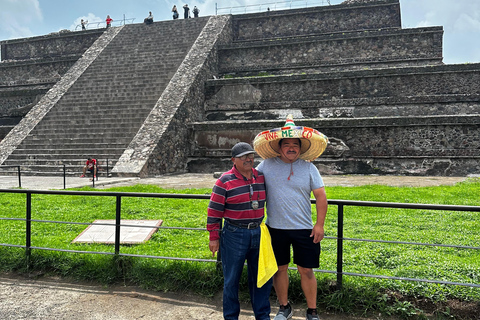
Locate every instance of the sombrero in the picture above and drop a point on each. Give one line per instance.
(266, 143)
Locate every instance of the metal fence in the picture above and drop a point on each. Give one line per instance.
(103, 24)
(340, 239)
(273, 6)
(103, 168)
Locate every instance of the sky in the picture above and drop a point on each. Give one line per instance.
(27, 18)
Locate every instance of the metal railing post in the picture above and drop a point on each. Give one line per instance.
(64, 178)
(28, 227)
(19, 177)
(107, 168)
(340, 247)
(117, 224)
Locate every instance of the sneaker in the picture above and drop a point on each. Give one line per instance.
(312, 316)
(285, 312)
(82, 176)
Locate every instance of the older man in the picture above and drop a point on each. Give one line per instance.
(238, 197)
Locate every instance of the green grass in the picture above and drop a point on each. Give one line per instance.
(359, 295)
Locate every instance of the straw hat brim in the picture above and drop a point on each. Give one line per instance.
(266, 143)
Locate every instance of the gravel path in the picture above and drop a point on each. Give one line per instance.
(54, 298)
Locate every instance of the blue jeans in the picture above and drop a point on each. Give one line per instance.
(236, 246)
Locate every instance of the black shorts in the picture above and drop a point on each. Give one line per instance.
(305, 253)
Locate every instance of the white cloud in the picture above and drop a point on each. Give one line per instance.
(466, 23)
(17, 17)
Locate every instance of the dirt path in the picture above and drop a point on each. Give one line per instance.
(201, 180)
(54, 298)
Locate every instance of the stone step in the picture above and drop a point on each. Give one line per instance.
(86, 122)
(84, 132)
(112, 90)
(77, 139)
(25, 151)
(67, 153)
(79, 144)
(79, 123)
(92, 119)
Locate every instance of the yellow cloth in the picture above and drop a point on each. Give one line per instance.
(267, 264)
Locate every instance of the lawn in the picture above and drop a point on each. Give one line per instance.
(359, 295)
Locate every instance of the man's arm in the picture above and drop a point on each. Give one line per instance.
(318, 231)
(215, 211)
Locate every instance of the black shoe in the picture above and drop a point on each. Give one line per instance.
(312, 316)
(285, 312)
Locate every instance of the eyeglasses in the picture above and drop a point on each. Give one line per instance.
(244, 157)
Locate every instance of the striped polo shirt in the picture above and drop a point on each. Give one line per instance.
(230, 200)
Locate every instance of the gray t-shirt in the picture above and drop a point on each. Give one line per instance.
(288, 201)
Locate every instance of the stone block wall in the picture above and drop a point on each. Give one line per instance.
(59, 44)
(352, 50)
(33, 72)
(444, 145)
(329, 19)
(19, 102)
(431, 90)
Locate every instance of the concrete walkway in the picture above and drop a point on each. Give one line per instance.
(199, 180)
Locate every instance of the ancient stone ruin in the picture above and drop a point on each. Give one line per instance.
(379, 92)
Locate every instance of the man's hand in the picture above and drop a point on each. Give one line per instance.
(317, 233)
(214, 246)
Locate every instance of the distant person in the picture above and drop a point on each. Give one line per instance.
(195, 12)
(108, 21)
(91, 166)
(84, 23)
(186, 11)
(149, 19)
(175, 12)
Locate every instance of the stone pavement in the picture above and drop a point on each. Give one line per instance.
(200, 180)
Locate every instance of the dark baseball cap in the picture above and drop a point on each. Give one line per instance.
(241, 148)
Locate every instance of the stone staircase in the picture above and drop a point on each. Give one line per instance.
(104, 108)
(380, 93)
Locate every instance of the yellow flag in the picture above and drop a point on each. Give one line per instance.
(267, 264)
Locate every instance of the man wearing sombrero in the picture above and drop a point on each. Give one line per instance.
(290, 178)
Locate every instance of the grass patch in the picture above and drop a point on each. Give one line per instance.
(359, 295)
